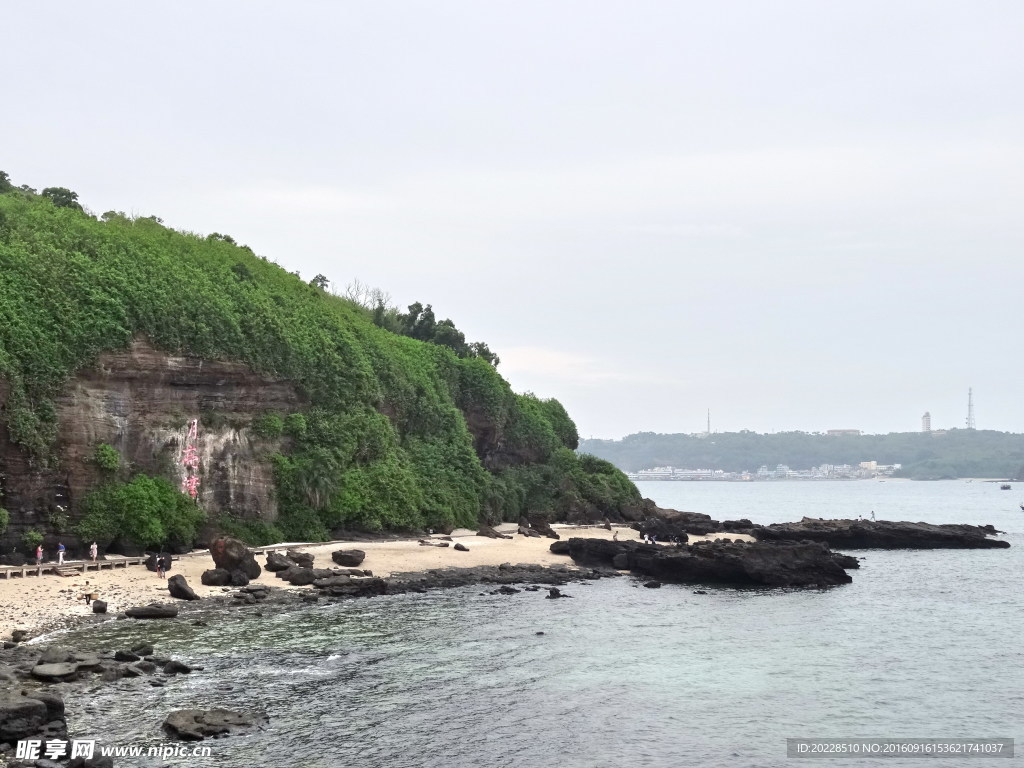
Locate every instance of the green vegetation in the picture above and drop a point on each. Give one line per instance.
(5, 519)
(268, 426)
(32, 539)
(923, 455)
(147, 511)
(107, 458)
(409, 426)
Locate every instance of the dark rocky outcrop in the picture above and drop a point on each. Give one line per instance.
(806, 564)
(232, 555)
(153, 611)
(350, 558)
(882, 534)
(99, 606)
(180, 589)
(199, 724)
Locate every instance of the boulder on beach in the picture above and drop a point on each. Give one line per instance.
(199, 724)
(460, 547)
(20, 716)
(99, 606)
(153, 611)
(180, 589)
(491, 533)
(301, 559)
(350, 558)
(278, 562)
(232, 555)
(216, 577)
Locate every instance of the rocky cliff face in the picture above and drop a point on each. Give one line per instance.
(140, 401)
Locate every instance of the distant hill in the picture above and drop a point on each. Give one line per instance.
(924, 455)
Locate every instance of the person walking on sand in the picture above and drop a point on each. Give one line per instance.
(615, 536)
(39, 554)
(94, 551)
(160, 565)
(872, 514)
(60, 553)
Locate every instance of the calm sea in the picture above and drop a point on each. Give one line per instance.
(923, 644)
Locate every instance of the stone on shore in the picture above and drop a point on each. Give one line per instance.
(278, 562)
(350, 558)
(232, 555)
(216, 577)
(180, 589)
(301, 559)
(491, 533)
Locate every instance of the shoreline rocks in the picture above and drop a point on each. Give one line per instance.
(882, 534)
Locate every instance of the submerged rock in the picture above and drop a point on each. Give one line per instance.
(199, 724)
(153, 611)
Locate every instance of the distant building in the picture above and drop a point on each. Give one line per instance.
(926, 422)
(843, 432)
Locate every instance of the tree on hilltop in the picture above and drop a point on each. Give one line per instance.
(62, 197)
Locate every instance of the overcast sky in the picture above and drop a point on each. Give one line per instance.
(799, 215)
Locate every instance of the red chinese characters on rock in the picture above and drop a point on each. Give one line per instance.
(190, 460)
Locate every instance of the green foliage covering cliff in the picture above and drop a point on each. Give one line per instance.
(399, 434)
(923, 455)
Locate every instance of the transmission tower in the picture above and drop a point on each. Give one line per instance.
(970, 408)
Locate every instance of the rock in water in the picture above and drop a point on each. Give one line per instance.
(232, 555)
(198, 724)
(350, 558)
(180, 589)
(785, 564)
(153, 611)
(99, 606)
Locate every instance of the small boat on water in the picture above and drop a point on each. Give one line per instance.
(1004, 487)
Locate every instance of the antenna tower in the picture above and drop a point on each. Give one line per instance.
(970, 408)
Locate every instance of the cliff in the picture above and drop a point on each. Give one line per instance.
(115, 334)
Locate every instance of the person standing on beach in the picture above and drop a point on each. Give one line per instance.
(39, 554)
(160, 565)
(94, 551)
(60, 553)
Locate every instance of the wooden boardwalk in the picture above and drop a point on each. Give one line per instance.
(79, 566)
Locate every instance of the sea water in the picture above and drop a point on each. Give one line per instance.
(922, 644)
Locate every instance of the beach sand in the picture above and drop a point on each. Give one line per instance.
(35, 602)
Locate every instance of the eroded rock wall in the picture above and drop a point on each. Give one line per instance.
(140, 401)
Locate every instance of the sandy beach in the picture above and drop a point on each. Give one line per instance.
(34, 601)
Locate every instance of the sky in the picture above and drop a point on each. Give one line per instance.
(797, 215)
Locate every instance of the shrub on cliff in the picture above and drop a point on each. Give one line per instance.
(107, 458)
(5, 519)
(147, 511)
